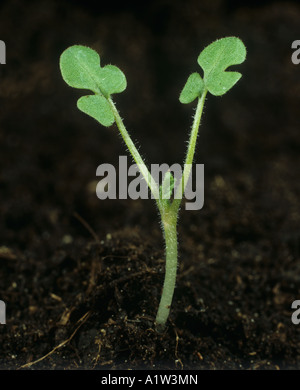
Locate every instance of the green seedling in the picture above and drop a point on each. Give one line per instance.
(80, 68)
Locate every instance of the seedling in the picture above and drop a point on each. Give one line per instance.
(80, 68)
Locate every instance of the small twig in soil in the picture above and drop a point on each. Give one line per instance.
(81, 321)
(178, 360)
(87, 226)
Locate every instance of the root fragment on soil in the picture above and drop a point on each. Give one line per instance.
(80, 322)
(87, 226)
(178, 360)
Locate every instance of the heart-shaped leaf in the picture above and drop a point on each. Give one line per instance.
(80, 68)
(214, 60)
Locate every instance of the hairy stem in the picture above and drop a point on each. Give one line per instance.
(169, 224)
(134, 152)
(168, 211)
(190, 153)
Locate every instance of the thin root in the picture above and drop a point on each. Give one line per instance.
(81, 321)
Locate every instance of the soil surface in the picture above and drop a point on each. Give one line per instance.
(82, 278)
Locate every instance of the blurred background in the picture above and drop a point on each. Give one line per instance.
(49, 151)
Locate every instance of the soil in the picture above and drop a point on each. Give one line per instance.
(82, 278)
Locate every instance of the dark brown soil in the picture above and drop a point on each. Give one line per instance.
(81, 277)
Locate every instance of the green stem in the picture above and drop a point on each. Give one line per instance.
(169, 224)
(168, 210)
(134, 152)
(190, 153)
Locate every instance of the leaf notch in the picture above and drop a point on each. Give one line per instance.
(214, 60)
(80, 68)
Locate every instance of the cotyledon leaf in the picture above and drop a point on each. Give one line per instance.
(216, 58)
(80, 68)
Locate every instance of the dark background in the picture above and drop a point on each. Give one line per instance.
(156, 44)
(249, 142)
